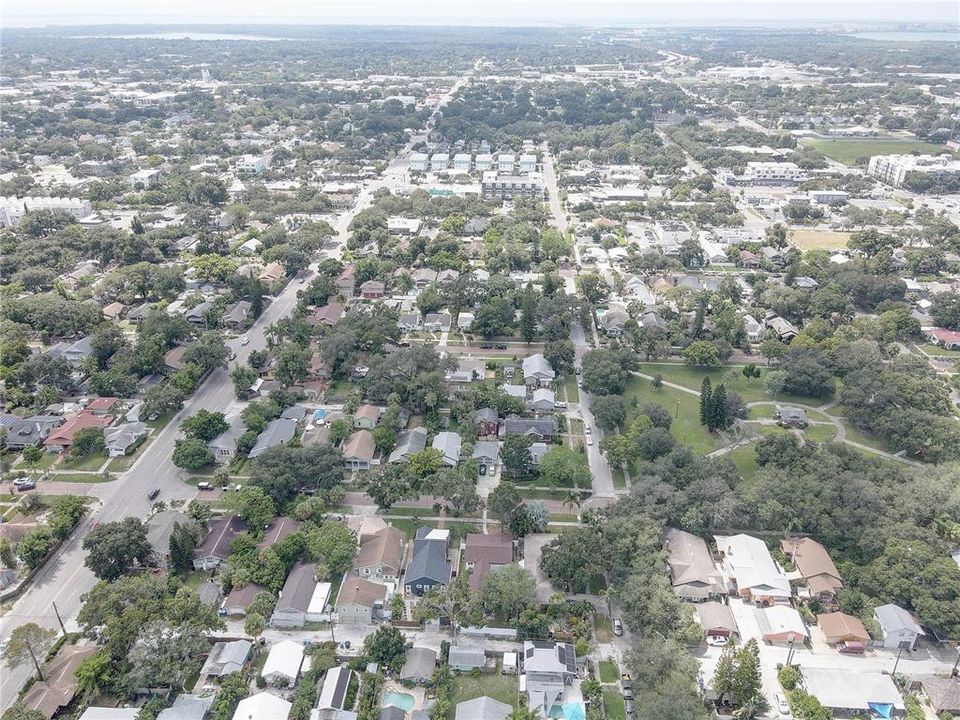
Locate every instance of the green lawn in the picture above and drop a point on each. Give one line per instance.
(90, 462)
(820, 433)
(847, 150)
(938, 351)
(750, 390)
(571, 392)
(745, 458)
(505, 688)
(613, 704)
(609, 672)
(554, 494)
(686, 426)
(852, 433)
(619, 481)
(45, 461)
(81, 477)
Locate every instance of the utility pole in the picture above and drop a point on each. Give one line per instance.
(899, 653)
(59, 619)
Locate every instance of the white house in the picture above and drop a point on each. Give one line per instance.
(284, 663)
(262, 706)
(898, 626)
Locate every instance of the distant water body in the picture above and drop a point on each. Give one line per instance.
(908, 36)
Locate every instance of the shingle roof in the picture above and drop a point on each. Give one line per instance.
(384, 548)
(298, 588)
(356, 591)
(429, 559)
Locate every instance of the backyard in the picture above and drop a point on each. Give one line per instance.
(505, 688)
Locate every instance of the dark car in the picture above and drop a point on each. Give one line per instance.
(486, 346)
(152, 495)
(483, 469)
(501, 346)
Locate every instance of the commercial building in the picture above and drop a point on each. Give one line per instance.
(507, 187)
(895, 169)
(13, 209)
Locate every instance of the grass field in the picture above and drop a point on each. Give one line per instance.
(602, 632)
(81, 477)
(809, 239)
(613, 704)
(745, 458)
(505, 688)
(571, 393)
(750, 390)
(938, 351)
(820, 433)
(847, 150)
(609, 672)
(90, 462)
(684, 407)
(619, 481)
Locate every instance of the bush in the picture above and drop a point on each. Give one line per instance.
(789, 677)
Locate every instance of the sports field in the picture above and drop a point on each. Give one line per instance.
(847, 150)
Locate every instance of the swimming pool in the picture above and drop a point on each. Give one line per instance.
(404, 701)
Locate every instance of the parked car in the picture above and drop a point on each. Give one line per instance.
(486, 346)
(483, 469)
(24, 484)
(245, 340)
(617, 627)
(501, 346)
(851, 647)
(590, 440)
(717, 640)
(587, 429)
(152, 495)
(783, 707)
(204, 486)
(560, 405)
(577, 371)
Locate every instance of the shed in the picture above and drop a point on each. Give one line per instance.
(465, 659)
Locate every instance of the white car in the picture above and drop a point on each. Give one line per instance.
(560, 405)
(245, 340)
(783, 706)
(717, 640)
(587, 429)
(589, 440)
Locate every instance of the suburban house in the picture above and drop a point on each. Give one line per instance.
(419, 664)
(941, 693)
(235, 316)
(482, 708)
(749, 567)
(381, 555)
(466, 371)
(854, 693)
(293, 603)
(410, 322)
(464, 658)
(366, 417)
(839, 627)
(693, 574)
(215, 547)
(947, 339)
(537, 371)
(262, 706)
(540, 429)
(187, 707)
(360, 601)
(429, 566)
(121, 439)
(408, 442)
(29, 432)
(358, 450)
(329, 314)
(226, 657)
(346, 282)
(614, 320)
(781, 624)
(372, 290)
(284, 663)
(753, 328)
(279, 431)
(159, 529)
(815, 567)
(899, 627)
(542, 400)
(487, 453)
(61, 438)
(548, 667)
(272, 273)
(437, 322)
(784, 329)
(448, 443)
(224, 445)
(717, 619)
(333, 691)
(236, 603)
(791, 417)
(483, 553)
(59, 686)
(486, 421)
(101, 406)
(280, 529)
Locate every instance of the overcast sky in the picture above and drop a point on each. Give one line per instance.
(473, 12)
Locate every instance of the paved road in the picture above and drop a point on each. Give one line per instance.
(64, 579)
(602, 480)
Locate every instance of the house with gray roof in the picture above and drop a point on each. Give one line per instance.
(224, 445)
(226, 658)
(408, 442)
(429, 566)
(294, 601)
(540, 429)
(448, 443)
(899, 627)
(279, 431)
(486, 452)
(549, 667)
(216, 546)
(236, 314)
(537, 371)
(121, 439)
(187, 707)
(465, 658)
(482, 708)
(29, 432)
(419, 664)
(542, 400)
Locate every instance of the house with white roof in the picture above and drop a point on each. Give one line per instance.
(262, 706)
(749, 567)
(284, 663)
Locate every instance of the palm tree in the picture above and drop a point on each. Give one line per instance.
(572, 499)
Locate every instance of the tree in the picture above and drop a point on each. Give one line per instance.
(945, 310)
(515, 456)
(233, 689)
(750, 371)
(88, 441)
(160, 400)
(29, 641)
(386, 647)
(93, 674)
(527, 518)
(34, 547)
(609, 411)
(114, 547)
(805, 373)
(192, 454)
(183, 540)
(605, 372)
(705, 401)
(702, 354)
(333, 544)
(507, 590)
(717, 409)
(253, 506)
(502, 501)
(243, 377)
(254, 624)
(164, 655)
(560, 354)
(204, 425)
(282, 470)
(564, 467)
(293, 364)
(19, 711)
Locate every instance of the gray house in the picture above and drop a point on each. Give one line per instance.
(409, 442)
(278, 432)
(419, 665)
(483, 708)
(899, 628)
(448, 443)
(294, 601)
(537, 371)
(29, 432)
(548, 667)
(429, 566)
(466, 659)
